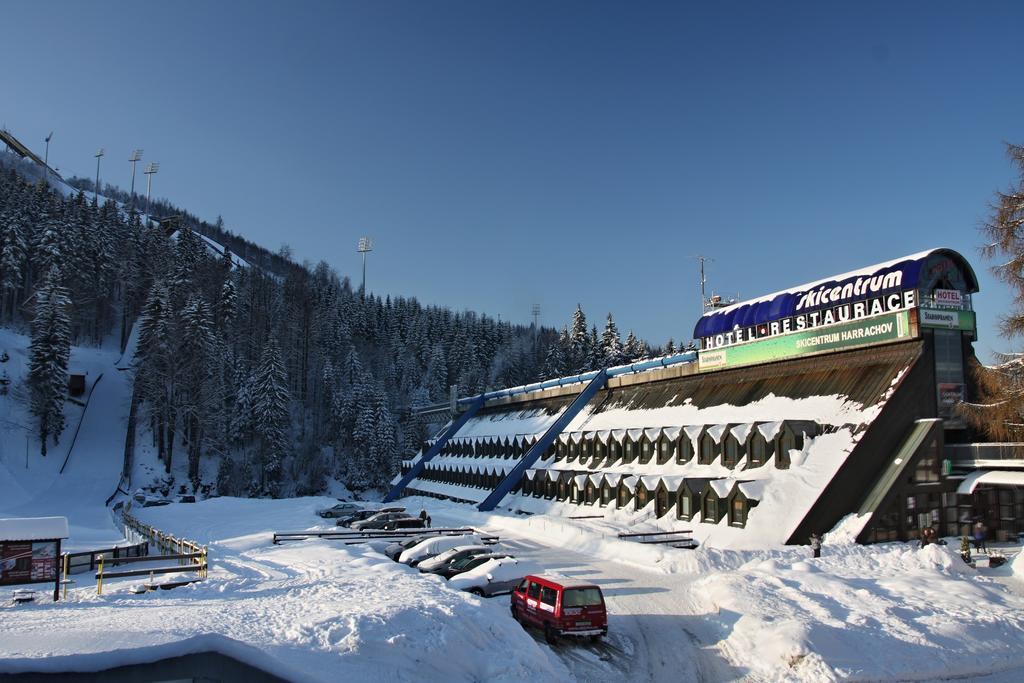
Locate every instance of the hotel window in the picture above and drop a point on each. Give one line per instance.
(685, 510)
(758, 451)
(949, 371)
(665, 450)
(630, 451)
(685, 451)
(732, 452)
(738, 516)
(927, 469)
(646, 450)
(707, 449)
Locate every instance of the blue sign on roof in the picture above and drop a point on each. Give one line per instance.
(927, 269)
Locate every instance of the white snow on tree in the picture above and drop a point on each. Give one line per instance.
(48, 357)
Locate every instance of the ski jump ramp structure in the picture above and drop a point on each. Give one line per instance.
(826, 407)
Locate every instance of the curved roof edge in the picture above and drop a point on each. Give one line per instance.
(782, 303)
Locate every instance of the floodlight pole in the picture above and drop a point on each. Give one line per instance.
(365, 246)
(136, 156)
(150, 171)
(96, 188)
(46, 160)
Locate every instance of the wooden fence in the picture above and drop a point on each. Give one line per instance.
(187, 555)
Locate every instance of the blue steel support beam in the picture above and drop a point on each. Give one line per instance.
(417, 469)
(506, 485)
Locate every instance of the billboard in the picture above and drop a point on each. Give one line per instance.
(28, 561)
(877, 330)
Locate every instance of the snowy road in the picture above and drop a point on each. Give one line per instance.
(648, 639)
(652, 621)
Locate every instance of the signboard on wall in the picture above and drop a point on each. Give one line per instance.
(877, 330)
(946, 319)
(948, 297)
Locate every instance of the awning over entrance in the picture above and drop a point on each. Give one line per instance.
(990, 477)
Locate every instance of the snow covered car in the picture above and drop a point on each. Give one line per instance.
(561, 606)
(435, 546)
(339, 510)
(393, 550)
(466, 564)
(451, 555)
(494, 576)
(378, 521)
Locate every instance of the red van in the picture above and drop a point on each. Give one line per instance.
(561, 606)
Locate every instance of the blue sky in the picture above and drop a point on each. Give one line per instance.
(502, 154)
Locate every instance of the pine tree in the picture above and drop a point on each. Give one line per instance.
(634, 349)
(612, 352)
(670, 347)
(12, 261)
(579, 342)
(271, 409)
(49, 352)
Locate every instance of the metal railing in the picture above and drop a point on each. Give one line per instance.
(353, 537)
(985, 451)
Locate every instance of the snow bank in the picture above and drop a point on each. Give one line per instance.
(878, 612)
(306, 611)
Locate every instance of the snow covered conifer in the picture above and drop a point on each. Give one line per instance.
(579, 342)
(48, 357)
(634, 349)
(612, 351)
(12, 260)
(271, 411)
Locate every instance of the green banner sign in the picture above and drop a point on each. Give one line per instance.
(877, 330)
(950, 319)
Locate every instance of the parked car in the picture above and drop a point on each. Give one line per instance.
(393, 550)
(339, 510)
(187, 498)
(499, 575)
(435, 546)
(561, 606)
(378, 520)
(405, 523)
(356, 516)
(466, 564)
(452, 555)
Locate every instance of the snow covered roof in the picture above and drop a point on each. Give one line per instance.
(742, 431)
(716, 432)
(635, 434)
(997, 477)
(721, 487)
(672, 433)
(33, 528)
(652, 434)
(753, 490)
(769, 429)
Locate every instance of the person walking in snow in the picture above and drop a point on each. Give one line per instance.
(979, 536)
(425, 517)
(816, 544)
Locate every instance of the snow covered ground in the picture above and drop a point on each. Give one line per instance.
(317, 610)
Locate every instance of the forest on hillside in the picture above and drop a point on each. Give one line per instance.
(283, 376)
